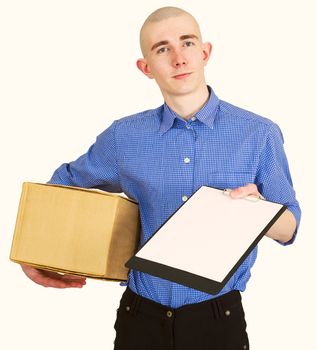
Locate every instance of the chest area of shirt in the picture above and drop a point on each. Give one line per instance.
(188, 157)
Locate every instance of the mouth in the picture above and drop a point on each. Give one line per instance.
(182, 76)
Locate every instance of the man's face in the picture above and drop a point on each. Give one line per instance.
(174, 55)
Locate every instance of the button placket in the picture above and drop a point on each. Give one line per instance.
(187, 161)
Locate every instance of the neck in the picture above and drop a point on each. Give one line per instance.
(189, 104)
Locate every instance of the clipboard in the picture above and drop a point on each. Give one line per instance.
(206, 240)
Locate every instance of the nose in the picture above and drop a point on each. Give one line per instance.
(178, 59)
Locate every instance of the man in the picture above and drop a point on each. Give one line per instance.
(160, 157)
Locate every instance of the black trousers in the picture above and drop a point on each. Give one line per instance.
(216, 324)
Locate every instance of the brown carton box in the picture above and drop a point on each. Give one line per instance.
(75, 230)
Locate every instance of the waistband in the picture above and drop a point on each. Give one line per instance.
(217, 307)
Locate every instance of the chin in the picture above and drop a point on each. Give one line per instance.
(183, 89)
(180, 87)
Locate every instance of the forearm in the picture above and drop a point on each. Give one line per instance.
(284, 228)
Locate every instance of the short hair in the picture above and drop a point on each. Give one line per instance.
(159, 15)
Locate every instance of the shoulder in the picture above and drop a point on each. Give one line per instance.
(231, 113)
(133, 126)
(145, 119)
(248, 121)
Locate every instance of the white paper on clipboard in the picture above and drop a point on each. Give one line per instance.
(207, 237)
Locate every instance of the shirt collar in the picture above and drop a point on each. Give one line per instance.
(206, 114)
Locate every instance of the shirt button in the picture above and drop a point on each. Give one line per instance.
(227, 312)
(188, 126)
(169, 313)
(193, 119)
(184, 198)
(127, 308)
(186, 160)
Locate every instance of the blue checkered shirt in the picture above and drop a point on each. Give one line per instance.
(159, 159)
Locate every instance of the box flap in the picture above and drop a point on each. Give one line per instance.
(87, 190)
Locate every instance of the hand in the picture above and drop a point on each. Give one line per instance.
(244, 191)
(283, 229)
(53, 279)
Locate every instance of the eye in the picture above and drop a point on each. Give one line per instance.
(189, 43)
(162, 50)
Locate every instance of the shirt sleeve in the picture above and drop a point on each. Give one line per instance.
(97, 168)
(273, 176)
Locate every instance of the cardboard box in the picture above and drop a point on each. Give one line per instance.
(75, 230)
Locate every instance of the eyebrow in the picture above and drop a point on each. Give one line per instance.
(182, 37)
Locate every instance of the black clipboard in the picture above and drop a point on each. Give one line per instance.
(206, 240)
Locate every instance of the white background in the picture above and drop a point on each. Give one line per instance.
(68, 69)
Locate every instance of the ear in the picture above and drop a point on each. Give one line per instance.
(144, 68)
(207, 47)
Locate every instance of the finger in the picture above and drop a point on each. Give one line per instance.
(64, 284)
(52, 279)
(64, 276)
(244, 191)
(56, 283)
(64, 281)
(74, 277)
